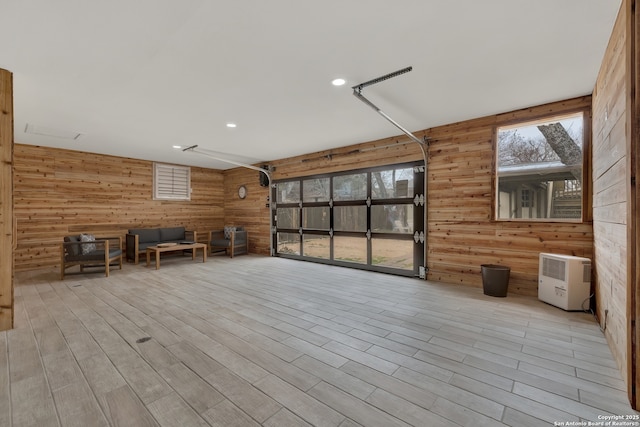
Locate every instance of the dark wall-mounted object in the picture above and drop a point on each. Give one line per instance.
(264, 180)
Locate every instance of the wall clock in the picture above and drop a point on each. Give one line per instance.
(242, 191)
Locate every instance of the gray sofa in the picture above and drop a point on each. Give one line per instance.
(139, 239)
(101, 252)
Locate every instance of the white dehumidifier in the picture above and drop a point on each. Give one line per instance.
(564, 281)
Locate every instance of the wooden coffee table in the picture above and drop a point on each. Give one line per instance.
(175, 248)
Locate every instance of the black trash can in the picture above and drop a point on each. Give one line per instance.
(495, 279)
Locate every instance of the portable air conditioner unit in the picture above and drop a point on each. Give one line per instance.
(564, 281)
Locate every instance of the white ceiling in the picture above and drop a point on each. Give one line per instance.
(136, 77)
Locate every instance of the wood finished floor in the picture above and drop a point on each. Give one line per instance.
(255, 341)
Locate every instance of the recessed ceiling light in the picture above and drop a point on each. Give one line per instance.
(231, 125)
(338, 82)
(177, 147)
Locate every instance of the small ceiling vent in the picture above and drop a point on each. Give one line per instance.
(46, 131)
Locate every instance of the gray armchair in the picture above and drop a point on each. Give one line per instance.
(90, 252)
(233, 240)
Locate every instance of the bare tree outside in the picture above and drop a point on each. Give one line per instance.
(544, 142)
(564, 146)
(514, 149)
(540, 169)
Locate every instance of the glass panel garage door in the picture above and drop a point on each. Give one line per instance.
(369, 219)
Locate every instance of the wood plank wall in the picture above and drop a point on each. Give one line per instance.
(610, 191)
(7, 236)
(252, 211)
(462, 234)
(60, 192)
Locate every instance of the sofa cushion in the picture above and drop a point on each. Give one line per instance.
(143, 246)
(171, 234)
(72, 250)
(97, 255)
(87, 248)
(220, 243)
(146, 235)
(241, 236)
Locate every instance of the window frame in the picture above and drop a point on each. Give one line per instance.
(586, 210)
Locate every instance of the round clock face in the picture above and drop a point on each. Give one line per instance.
(242, 192)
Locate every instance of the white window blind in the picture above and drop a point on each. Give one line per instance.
(171, 182)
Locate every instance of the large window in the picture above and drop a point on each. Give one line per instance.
(540, 169)
(365, 219)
